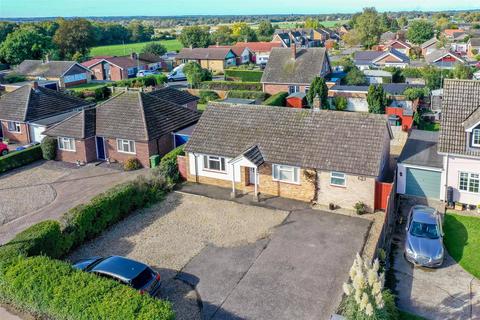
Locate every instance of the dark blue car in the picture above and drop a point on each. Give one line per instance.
(130, 272)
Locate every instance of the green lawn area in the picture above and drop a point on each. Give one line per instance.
(408, 316)
(462, 240)
(122, 50)
(201, 107)
(91, 86)
(429, 126)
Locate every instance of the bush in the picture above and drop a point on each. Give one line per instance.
(207, 95)
(13, 78)
(49, 148)
(245, 94)
(169, 167)
(340, 103)
(52, 289)
(157, 79)
(278, 100)
(360, 208)
(229, 85)
(17, 159)
(244, 75)
(132, 164)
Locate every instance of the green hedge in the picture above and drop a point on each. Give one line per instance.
(17, 159)
(278, 100)
(168, 165)
(245, 94)
(244, 75)
(207, 96)
(157, 79)
(52, 289)
(229, 85)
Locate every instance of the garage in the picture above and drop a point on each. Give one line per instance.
(423, 183)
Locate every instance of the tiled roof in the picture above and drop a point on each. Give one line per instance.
(429, 43)
(350, 142)
(282, 68)
(26, 104)
(142, 117)
(460, 99)
(203, 53)
(180, 97)
(475, 42)
(259, 46)
(421, 150)
(370, 56)
(403, 43)
(440, 53)
(80, 126)
(254, 155)
(38, 68)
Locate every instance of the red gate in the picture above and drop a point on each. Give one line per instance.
(382, 193)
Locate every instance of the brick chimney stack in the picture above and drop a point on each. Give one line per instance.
(293, 46)
(133, 55)
(35, 85)
(317, 103)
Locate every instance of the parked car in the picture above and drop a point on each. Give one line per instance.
(127, 271)
(3, 149)
(177, 74)
(424, 240)
(144, 73)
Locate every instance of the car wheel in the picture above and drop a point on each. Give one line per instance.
(4, 152)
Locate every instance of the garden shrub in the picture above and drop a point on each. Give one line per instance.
(244, 75)
(17, 159)
(13, 78)
(246, 94)
(340, 103)
(229, 85)
(169, 167)
(278, 100)
(360, 208)
(52, 289)
(132, 164)
(207, 96)
(49, 148)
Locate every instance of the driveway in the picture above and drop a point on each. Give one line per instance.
(46, 189)
(448, 292)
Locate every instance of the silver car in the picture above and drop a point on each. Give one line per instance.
(424, 240)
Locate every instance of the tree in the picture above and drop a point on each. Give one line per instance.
(376, 99)
(420, 31)
(415, 93)
(222, 36)
(355, 77)
(195, 36)
(462, 71)
(195, 74)
(5, 29)
(433, 77)
(319, 87)
(72, 36)
(340, 103)
(155, 48)
(368, 27)
(140, 33)
(24, 43)
(242, 32)
(265, 29)
(351, 38)
(312, 23)
(402, 22)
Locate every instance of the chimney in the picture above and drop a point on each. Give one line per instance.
(47, 58)
(35, 85)
(294, 50)
(133, 55)
(317, 103)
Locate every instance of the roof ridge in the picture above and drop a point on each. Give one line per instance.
(142, 111)
(27, 102)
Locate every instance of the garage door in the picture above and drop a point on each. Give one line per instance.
(423, 183)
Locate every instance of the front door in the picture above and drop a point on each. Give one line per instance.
(100, 148)
(251, 175)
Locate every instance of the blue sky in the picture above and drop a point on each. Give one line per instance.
(68, 8)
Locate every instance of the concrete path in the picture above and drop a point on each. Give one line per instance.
(6, 315)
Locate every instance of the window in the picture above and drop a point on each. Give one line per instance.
(13, 126)
(293, 89)
(125, 146)
(476, 137)
(214, 163)
(75, 77)
(66, 144)
(285, 173)
(469, 182)
(131, 71)
(338, 179)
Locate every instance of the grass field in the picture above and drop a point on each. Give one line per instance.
(122, 50)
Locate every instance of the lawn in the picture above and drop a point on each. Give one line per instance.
(122, 50)
(429, 126)
(91, 86)
(462, 239)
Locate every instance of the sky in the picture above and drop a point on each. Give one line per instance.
(69, 8)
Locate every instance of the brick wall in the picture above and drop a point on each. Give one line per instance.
(21, 137)
(276, 88)
(142, 152)
(97, 71)
(117, 74)
(164, 145)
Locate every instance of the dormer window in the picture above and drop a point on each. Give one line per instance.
(476, 137)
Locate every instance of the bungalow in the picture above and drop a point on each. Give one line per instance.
(300, 37)
(324, 156)
(473, 47)
(179, 97)
(261, 50)
(243, 53)
(454, 34)
(291, 70)
(377, 76)
(380, 59)
(214, 59)
(429, 46)
(131, 124)
(27, 111)
(444, 59)
(65, 73)
(399, 45)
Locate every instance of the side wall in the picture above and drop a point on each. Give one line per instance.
(142, 152)
(272, 88)
(21, 137)
(455, 166)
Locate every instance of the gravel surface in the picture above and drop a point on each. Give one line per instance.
(167, 235)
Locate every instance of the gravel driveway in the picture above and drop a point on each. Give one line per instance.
(168, 235)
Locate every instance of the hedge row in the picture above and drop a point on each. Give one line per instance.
(245, 94)
(278, 100)
(244, 75)
(147, 81)
(168, 165)
(17, 159)
(229, 85)
(52, 289)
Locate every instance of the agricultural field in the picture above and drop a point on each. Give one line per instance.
(125, 49)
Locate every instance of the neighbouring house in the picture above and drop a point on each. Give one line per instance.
(65, 73)
(473, 47)
(261, 50)
(372, 59)
(27, 111)
(9, 87)
(429, 46)
(344, 29)
(455, 34)
(398, 45)
(243, 53)
(436, 97)
(300, 37)
(323, 156)
(420, 167)
(459, 141)
(293, 70)
(179, 97)
(129, 125)
(444, 59)
(297, 100)
(214, 59)
(120, 68)
(377, 76)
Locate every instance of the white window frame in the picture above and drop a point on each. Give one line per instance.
(121, 143)
(17, 128)
(66, 144)
(295, 89)
(476, 136)
(470, 179)
(277, 168)
(221, 163)
(338, 175)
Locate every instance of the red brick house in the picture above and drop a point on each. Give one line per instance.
(293, 70)
(261, 50)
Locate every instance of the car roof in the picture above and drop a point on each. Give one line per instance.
(123, 268)
(424, 214)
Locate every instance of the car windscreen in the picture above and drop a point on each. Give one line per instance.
(142, 279)
(424, 230)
